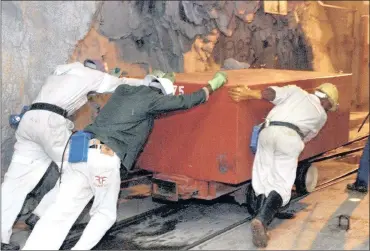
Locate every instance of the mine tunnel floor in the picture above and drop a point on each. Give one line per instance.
(315, 225)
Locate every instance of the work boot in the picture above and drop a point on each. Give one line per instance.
(265, 216)
(261, 199)
(357, 187)
(254, 203)
(32, 220)
(251, 200)
(9, 246)
(284, 215)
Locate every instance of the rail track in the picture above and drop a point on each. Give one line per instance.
(248, 219)
(173, 208)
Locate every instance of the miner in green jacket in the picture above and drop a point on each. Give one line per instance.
(119, 133)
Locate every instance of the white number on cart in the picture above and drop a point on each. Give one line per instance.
(180, 88)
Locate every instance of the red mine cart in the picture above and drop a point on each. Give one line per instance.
(204, 152)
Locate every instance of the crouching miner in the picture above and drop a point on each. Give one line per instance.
(296, 118)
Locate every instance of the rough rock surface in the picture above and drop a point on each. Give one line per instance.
(188, 36)
(36, 36)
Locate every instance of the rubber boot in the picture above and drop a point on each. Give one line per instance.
(9, 246)
(254, 203)
(32, 220)
(357, 187)
(261, 199)
(251, 200)
(264, 218)
(284, 215)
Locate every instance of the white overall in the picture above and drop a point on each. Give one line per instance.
(42, 136)
(278, 149)
(99, 177)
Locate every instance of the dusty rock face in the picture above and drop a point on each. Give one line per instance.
(189, 36)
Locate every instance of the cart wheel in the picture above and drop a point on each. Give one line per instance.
(306, 179)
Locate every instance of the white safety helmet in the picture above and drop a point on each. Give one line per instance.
(96, 65)
(164, 84)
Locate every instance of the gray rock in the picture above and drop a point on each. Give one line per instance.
(222, 23)
(174, 45)
(134, 18)
(172, 9)
(252, 6)
(233, 64)
(229, 8)
(130, 52)
(193, 12)
(184, 42)
(166, 41)
(114, 16)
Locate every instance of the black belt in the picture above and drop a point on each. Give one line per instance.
(96, 146)
(286, 124)
(50, 108)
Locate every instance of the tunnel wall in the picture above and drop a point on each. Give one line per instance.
(36, 36)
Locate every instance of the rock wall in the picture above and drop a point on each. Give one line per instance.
(36, 36)
(189, 36)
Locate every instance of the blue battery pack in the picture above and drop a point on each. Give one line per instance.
(254, 139)
(15, 119)
(79, 146)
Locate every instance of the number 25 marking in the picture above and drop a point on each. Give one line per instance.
(181, 89)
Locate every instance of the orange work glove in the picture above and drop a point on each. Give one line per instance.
(243, 92)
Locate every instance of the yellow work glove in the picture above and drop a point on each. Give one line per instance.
(115, 72)
(171, 76)
(218, 80)
(158, 73)
(243, 92)
(161, 74)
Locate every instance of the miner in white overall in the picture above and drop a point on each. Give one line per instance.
(296, 118)
(113, 141)
(43, 133)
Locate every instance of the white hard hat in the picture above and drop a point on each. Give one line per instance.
(164, 84)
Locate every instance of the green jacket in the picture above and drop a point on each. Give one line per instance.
(127, 119)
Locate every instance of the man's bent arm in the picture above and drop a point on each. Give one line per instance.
(273, 94)
(165, 104)
(109, 83)
(131, 81)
